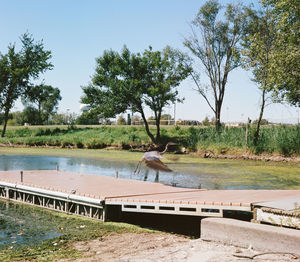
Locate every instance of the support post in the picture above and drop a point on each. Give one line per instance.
(7, 192)
(21, 173)
(67, 206)
(104, 213)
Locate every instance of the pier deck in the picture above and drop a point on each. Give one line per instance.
(88, 194)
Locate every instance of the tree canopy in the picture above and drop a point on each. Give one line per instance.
(17, 69)
(258, 50)
(284, 73)
(129, 81)
(46, 99)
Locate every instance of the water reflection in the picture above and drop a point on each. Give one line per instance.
(20, 226)
(212, 176)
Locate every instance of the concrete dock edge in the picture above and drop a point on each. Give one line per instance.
(245, 234)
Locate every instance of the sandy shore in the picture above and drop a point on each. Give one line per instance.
(166, 247)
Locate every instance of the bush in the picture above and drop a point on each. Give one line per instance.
(121, 121)
(95, 144)
(282, 139)
(87, 118)
(288, 140)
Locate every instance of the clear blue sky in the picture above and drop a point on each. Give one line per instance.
(78, 31)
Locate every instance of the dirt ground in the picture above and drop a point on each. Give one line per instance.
(148, 247)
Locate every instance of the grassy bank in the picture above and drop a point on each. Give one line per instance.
(24, 226)
(283, 140)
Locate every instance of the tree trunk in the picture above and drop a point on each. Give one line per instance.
(247, 132)
(40, 116)
(157, 138)
(5, 123)
(218, 117)
(147, 128)
(157, 122)
(256, 135)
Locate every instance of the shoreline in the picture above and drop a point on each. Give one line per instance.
(245, 156)
(201, 154)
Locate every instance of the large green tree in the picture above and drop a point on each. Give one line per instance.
(258, 51)
(29, 115)
(45, 98)
(17, 69)
(129, 81)
(284, 72)
(214, 41)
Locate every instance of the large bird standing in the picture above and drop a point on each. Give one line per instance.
(152, 160)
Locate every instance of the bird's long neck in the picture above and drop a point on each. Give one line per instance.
(165, 149)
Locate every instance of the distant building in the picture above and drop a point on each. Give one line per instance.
(232, 124)
(84, 107)
(188, 122)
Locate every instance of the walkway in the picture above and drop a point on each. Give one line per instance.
(147, 197)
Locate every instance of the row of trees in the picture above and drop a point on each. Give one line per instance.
(265, 42)
(30, 116)
(222, 39)
(18, 71)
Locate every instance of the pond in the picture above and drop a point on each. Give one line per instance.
(188, 172)
(19, 225)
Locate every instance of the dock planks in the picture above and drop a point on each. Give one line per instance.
(140, 196)
(95, 186)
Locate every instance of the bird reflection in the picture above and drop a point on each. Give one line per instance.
(146, 174)
(156, 176)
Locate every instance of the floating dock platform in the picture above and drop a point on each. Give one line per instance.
(91, 195)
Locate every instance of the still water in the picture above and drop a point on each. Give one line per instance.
(20, 226)
(210, 174)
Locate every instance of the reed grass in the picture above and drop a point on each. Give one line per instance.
(282, 139)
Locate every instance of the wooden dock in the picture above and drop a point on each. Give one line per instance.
(89, 195)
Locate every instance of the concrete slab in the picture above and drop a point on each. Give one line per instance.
(245, 234)
(289, 204)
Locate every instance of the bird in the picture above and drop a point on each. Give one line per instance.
(152, 160)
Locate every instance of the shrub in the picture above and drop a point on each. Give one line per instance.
(280, 139)
(95, 144)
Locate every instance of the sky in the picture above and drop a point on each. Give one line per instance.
(78, 31)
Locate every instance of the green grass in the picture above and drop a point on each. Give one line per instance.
(71, 228)
(283, 140)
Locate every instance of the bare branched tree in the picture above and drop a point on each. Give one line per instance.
(215, 42)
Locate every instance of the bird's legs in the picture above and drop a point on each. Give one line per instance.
(138, 168)
(156, 176)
